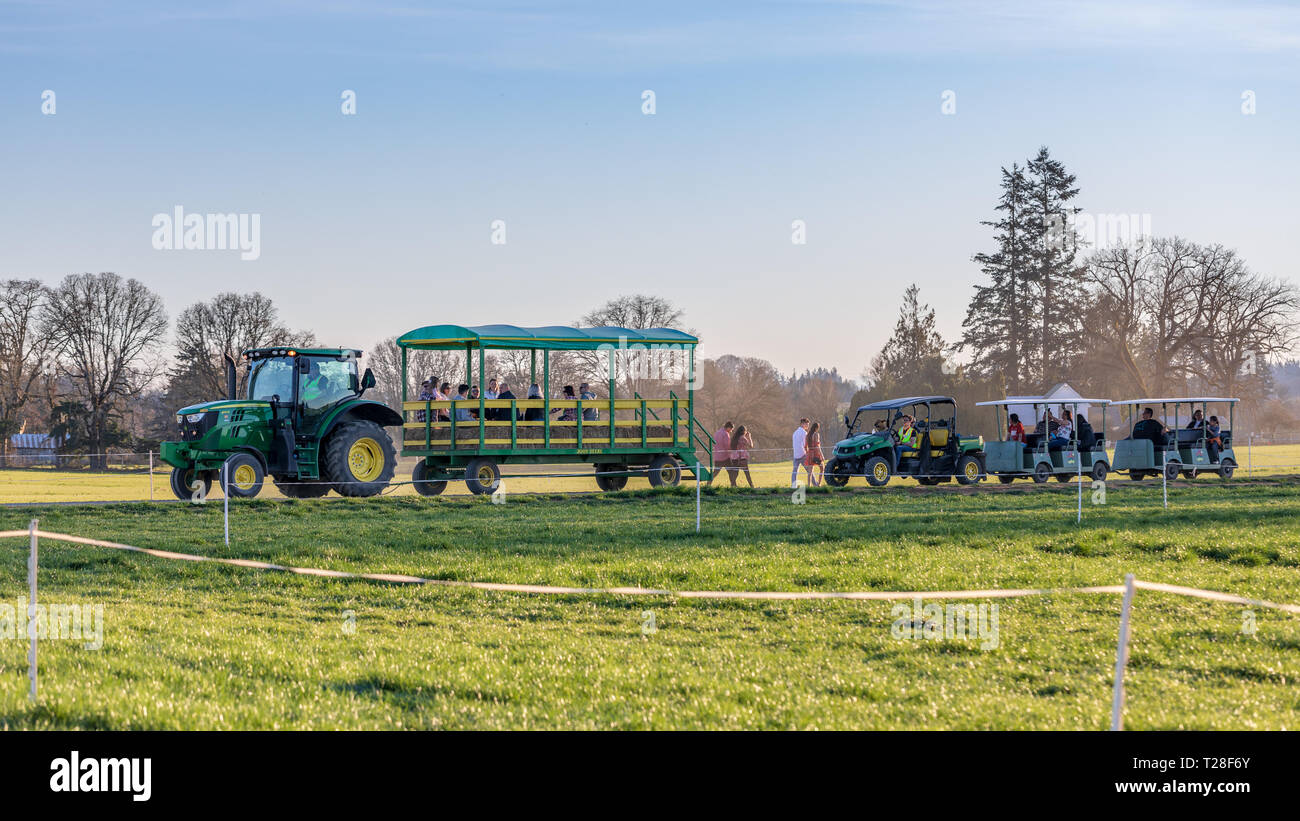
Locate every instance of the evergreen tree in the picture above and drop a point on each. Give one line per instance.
(1055, 271)
(997, 325)
(912, 360)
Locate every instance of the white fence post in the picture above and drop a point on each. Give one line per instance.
(697, 495)
(31, 609)
(1250, 454)
(1164, 480)
(151, 476)
(225, 497)
(1121, 657)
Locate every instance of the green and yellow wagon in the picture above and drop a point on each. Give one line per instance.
(620, 436)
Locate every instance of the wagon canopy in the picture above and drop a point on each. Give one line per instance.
(550, 337)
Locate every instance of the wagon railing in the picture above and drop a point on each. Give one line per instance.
(508, 427)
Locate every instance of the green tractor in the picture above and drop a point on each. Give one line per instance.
(303, 423)
(934, 452)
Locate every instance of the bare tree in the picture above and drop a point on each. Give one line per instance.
(226, 325)
(24, 351)
(635, 369)
(104, 330)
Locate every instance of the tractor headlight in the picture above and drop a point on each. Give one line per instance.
(194, 418)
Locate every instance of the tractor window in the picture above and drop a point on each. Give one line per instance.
(325, 382)
(271, 378)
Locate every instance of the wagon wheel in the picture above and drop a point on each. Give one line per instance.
(1042, 472)
(664, 472)
(1171, 471)
(610, 483)
(423, 484)
(1099, 471)
(1006, 480)
(482, 476)
(1227, 467)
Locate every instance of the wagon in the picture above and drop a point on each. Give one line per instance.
(1186, 450)
(939, 454)
(1038, 458)
(657, 437)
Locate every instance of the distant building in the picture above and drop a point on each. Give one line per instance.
(27, 449)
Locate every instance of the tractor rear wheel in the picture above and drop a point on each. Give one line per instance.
(185, 484)
(664, 472)
(423, 484)
(969, 469)
(241, 476)
(606, 482)
(302, 490)
(482, 476)
(359, 459)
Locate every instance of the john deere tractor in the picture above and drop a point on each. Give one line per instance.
(303, 423)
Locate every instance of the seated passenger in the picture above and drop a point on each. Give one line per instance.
(444, 394)
(1015, 430)
(1149, 428)
(473, 397)
(503, 414)
(586, 393)
(1198, 421)
(427, 394)
(1213, 441)
(534, 414)
(880, 426)
(462, 394)
(1087, 436)
(567, 414)
(1064, 430)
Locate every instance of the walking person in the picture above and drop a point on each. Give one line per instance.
(741, 444)
(722, 450)
(813, 461)
(797, 442)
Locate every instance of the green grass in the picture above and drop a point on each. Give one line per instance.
(207, 646)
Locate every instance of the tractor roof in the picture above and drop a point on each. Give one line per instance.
(891, 404)
(550, 337)
(289, 350)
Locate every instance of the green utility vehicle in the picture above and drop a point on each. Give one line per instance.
(1043, 453)
(934, 452)
(303, 423)
(1160, 445)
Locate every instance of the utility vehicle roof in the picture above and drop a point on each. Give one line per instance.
(1167, 401)
(1042, 400)
(891, 404)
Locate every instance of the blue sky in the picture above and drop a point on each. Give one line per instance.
(530, 113)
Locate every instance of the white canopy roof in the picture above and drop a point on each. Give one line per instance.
(1043, 400)
(1166, 401)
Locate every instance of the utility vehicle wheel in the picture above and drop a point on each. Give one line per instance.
(482, 476)
(241, 476)
(837, 473)
(969, 470)
(423, 484)
(1006, 480)
(610, 483)
(359, 459)
(877, 470)
(1227, 467)
(1099, 471)
(1171, 471)
(1042, 472)
(1137, 475)
(928, 481)
(664, 472)
(185, 484)
(310, 489)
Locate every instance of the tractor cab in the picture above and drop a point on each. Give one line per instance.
(302, 421)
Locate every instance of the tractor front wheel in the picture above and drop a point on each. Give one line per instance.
(190, 487)
(241, 476)
(359, 459)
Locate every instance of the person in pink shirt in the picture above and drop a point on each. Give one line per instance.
(721, 450)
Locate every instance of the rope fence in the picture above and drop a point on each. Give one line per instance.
(1127, 590)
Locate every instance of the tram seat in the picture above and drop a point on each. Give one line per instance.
(1188, 437)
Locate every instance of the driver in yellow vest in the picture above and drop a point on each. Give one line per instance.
(317, 390)
(907, 439)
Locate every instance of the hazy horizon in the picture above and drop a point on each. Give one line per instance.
(375, 223)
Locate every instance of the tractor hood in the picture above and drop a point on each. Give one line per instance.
(862, 441)
(221, 404)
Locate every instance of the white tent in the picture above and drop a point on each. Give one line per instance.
(1061, 391)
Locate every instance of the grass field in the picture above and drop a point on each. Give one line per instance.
(45, 485)
(206, 646)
